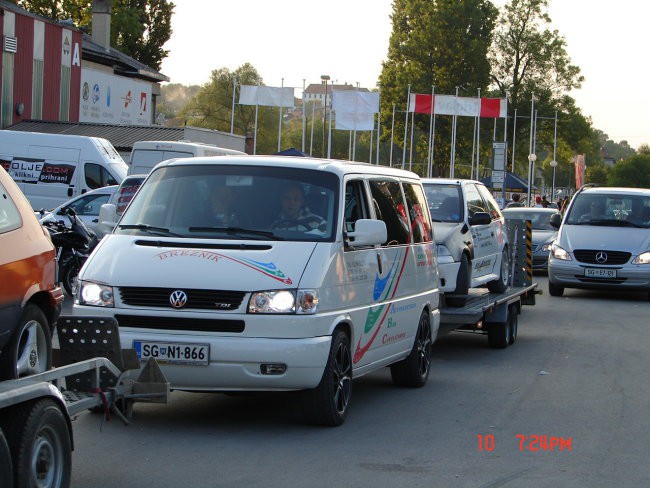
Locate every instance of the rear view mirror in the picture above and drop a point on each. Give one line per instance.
(107, 218)
(368, 232)
(480, 218)
(556, 220)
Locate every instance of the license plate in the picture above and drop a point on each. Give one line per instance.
(173, 352)
(600, 273)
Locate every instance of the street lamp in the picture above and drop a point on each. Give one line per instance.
(553, 165)
(532, 157)
(326, 79)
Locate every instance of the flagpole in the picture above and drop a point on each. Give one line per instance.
(255, 133)
(378, 134)
(411, 145)
(329, 131)
(478, 142)
(232, 113)
(514, 136)
(430, 152)
(311, 137)
(392, 131)
(304, 116)
(280, 119)
(473, 149)
(372, 138)
(406, 125)
(349, 145)
(453, 140)
(530, 146)
(505, 125)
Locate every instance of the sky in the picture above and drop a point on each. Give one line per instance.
(291, 43)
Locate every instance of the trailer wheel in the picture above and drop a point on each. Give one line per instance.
(6, 470)
(30, 349)
(513, 320)
(327, 404)
(39, 438)
(413, 371)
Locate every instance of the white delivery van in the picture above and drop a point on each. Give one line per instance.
(52, 168)
(272, 273)
(147, 154)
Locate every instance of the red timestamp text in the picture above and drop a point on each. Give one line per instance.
(532, 443)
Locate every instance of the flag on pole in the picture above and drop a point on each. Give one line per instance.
(463, 106)
(580, 166)
(267, 96)
(354, 109)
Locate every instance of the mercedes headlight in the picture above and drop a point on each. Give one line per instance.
(559, 253)
(643, 258)
(95, 294)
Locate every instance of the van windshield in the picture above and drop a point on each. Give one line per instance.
(235, 202)
(616, 210)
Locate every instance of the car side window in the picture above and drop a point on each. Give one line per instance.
(474, 201)
(418, 212)
(9, 215)
(387, 196)
(490, 203)
(90, 204)
(356, 205)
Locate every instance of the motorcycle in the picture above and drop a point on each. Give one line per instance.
(73, 246)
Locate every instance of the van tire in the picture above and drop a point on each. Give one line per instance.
(6, 468)
(462, 284)
(413, 371)
(328, 403)
(501, 284)
(30, 349)
(555, 290)
(38, 436)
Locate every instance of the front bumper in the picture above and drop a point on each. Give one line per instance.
(571, 274)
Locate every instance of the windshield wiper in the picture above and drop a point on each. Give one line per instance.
(238, 230)
(149, 229)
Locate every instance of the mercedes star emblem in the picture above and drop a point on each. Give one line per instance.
(601, 257)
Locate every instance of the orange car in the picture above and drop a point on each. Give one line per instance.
(30, 300)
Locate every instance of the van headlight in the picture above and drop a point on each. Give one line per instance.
(559, 253)
(95, 294)
(643, 258)
(283, 302)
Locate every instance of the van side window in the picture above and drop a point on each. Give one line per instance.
(388, 200)
(356, 206)
(418, 212)
(97, 177)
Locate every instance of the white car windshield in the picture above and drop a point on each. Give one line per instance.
(610, 209)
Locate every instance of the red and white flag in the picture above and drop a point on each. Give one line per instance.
(580, 166)
(462, 106)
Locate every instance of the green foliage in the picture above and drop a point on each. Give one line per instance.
(633, 172)
(597, 174)
(139, 28)
(442, 44)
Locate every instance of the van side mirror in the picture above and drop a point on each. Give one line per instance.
(107, 218)
(480, 218)
(556, 220)
(368, 232)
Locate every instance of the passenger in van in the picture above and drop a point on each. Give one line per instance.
(221, 212)
(294, 215)
(596, 212)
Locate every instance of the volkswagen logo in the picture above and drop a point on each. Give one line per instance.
(178, 299)
(601, 257)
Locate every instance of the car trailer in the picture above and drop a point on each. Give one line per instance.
(92, 373)
(497, 314)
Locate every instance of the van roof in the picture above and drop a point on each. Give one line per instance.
(330, 165)
(180, 144)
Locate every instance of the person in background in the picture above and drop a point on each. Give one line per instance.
(538, 201)
(515, 201)
(544, 202)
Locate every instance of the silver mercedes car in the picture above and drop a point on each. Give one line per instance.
(603, 242)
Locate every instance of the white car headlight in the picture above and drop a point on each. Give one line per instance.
(272, 301)
(95, 294)
(547, 247)
(643, 258)
(558, 253)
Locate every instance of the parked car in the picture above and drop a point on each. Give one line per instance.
(111, 212)
(603, 242)
(30, 300)
(471, 236)
(86, 208)
(543, 232)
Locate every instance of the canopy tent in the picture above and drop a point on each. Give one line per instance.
(292, 151)
(513, 183)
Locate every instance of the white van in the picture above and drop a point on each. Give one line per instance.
(147, 154)
(52, 168)
(272, 273)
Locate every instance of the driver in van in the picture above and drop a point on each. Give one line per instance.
(294, 215)
(596, 211)
(221, 200)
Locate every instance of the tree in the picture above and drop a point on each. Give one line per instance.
(633, 172)
(442, 44)
(139, 28)
(597, 174)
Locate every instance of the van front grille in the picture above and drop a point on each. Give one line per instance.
(221, 300)
(180, 323)
(596, 256)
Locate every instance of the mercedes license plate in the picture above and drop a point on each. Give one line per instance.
(600, 273)
(173, 352)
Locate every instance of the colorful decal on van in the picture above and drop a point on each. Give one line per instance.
(268, 269)
(376, 317)
(32, 170)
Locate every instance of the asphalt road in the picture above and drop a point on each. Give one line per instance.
(577, 375)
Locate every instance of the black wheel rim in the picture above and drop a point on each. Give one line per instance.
(342, 378)
(423, 344)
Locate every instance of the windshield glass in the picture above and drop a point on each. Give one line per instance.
(444, 202)
(539, 220)
(235, 202)
(610, 209)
